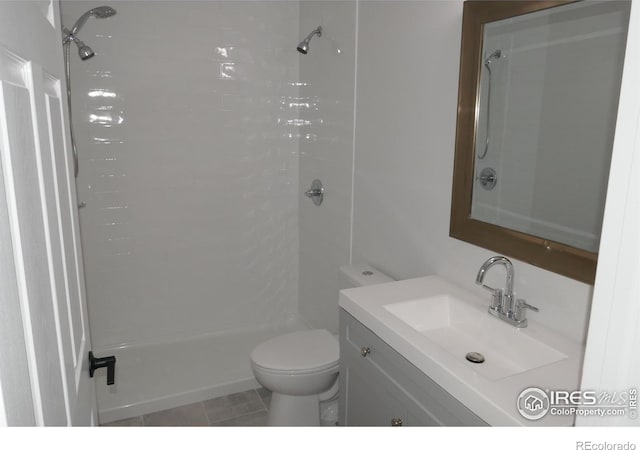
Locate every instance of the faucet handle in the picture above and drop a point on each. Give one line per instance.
(520, 310)
(490, 289)
(496, 297)
(522, 304)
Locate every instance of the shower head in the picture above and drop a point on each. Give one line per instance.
(303, 47)
(84, 50)
(101, 12)
(492, 57)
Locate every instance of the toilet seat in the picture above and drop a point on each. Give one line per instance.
(299, 373)
(299, 352)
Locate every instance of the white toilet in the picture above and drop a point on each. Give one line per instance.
(301, 368)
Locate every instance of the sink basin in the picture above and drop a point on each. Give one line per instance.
(460, 327)
(434, 324)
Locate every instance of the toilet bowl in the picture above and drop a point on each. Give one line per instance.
(301, 368)
(298, 368)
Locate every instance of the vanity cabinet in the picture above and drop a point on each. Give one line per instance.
(379, 387)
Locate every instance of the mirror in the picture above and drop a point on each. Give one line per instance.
(537, 105)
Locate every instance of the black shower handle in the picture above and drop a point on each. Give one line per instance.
(97, 363)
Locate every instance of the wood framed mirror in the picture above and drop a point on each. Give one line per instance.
(538, 94)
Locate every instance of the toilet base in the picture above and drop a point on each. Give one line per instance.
(294, 410)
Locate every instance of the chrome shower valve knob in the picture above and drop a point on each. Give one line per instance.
(316, 193)
(488, 178)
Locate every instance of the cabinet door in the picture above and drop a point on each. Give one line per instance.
(380, 385)
(369, 399)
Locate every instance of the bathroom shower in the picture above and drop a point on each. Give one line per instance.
(207, 286)
(85, 52)
(487, 63)
(303, 47)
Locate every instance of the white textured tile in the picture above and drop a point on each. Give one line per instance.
(326, 149)
(188, 170)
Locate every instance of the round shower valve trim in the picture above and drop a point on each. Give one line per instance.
(488, 178)
(316, 193)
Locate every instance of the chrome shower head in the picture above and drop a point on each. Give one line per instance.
(303, 47)
(84, 50)
(492, 57)
(101, 12)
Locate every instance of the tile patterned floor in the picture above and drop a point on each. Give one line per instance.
(244, 409)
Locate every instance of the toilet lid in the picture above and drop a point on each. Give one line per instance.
(299, 351)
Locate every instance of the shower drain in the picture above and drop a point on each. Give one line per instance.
(475, 357)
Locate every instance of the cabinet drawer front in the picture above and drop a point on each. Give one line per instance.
(426, 402)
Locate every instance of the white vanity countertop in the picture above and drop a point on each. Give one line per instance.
(493, 400)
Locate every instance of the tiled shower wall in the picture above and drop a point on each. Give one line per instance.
(327, 75)
(187, 125)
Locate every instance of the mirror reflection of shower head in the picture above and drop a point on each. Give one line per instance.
(497, 54)
(303, 47)
(492, 57)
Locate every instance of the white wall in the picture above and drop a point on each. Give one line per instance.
(407, 86)
(188, 156)
(611, 361)
(327, 87)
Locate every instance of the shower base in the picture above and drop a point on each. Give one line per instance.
(153, 377)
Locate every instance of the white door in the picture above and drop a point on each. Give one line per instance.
(44, 334)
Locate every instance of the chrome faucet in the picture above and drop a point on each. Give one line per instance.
(502, 300)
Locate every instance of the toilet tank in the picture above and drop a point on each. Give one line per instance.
(356, 275)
